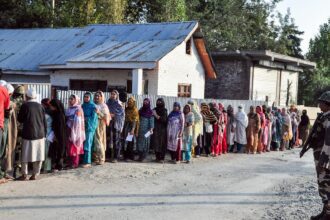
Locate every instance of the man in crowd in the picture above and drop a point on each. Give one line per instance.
(32, 116)
(4, 105)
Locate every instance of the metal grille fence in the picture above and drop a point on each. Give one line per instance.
(64, 97)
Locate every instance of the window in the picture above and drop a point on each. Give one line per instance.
(88, 85)
(188, 46)
(184, 90)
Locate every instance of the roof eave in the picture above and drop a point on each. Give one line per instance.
(103, 65)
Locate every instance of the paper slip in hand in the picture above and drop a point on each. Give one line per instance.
(148, 134)
(129, 138)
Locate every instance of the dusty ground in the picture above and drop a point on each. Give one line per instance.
(276, 185)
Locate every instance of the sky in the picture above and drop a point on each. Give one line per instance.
(308, 15)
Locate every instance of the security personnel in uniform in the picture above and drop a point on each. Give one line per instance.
(320, 142)
(18, 98)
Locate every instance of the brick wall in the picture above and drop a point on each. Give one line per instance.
(233, 80)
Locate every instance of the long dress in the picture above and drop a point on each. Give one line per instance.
(57, 148)
(76, 133)
(175, 127)
(241, 125)
(159, 137)
(91, 123)
(131, 125)
(143, 143)
(252, 133)
(12, 136)
(197, 127)
(230, 128)
(187, 136)
(276, 131)
(100, 138)
(48, 161)
(224, 133)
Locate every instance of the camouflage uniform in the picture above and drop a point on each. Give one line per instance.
(18, 99)
(320, 142)
(321, 145)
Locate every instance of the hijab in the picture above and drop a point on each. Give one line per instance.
(175, 114)
(91, 119)
(214, 109)
(145, 110)
(103, 108)
(116, 108)
(207, 114)
(160, 107)
(132, 113)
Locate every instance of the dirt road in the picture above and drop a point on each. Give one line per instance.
(275, 185)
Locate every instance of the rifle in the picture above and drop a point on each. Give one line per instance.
(306, 145)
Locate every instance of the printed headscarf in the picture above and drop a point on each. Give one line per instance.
(132, 113)
(117, 109)
(208, 116)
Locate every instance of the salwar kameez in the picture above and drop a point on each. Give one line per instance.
(130, 128)
(143, 143)
(187, 135)
(91, 123)
(252, 133)
(75, 132)
(175, 129)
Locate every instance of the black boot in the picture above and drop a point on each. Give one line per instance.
(319, 216)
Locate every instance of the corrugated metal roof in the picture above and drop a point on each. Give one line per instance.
(26, 49)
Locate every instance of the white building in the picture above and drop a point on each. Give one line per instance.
(160, 58)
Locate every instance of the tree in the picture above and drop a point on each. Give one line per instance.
(156, 10)
(289, 40)
(313, 83)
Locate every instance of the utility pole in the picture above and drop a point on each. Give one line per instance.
(53, 13)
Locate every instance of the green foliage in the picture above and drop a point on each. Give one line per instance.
(313, 83)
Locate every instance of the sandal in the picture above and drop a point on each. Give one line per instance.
(22, 178)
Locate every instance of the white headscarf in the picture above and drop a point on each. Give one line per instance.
(3, 82)
(9, 88)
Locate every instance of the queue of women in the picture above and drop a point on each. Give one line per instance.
(93, 131)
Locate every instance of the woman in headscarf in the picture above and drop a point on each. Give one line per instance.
(145, 130)
(57, 147)
(286, 129)
(187, 133)
(100, 139)
(252, 131)
(230, 128)
(223, 125)
(216, 146)
(304, 126)
(263, 128)
(175, 128)
(294, 126)
(75, 130)
(47, 164)
(276, 130)
(131, 127)
(209, 120)
(197, 128)
(159, 137)
(241, 125)
(116, 126)
(91, 123)
(270, 120)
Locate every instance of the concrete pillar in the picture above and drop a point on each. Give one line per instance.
(137, 75)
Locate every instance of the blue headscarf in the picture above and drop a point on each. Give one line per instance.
(91, 121)
(175, 114)
(116, 108)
